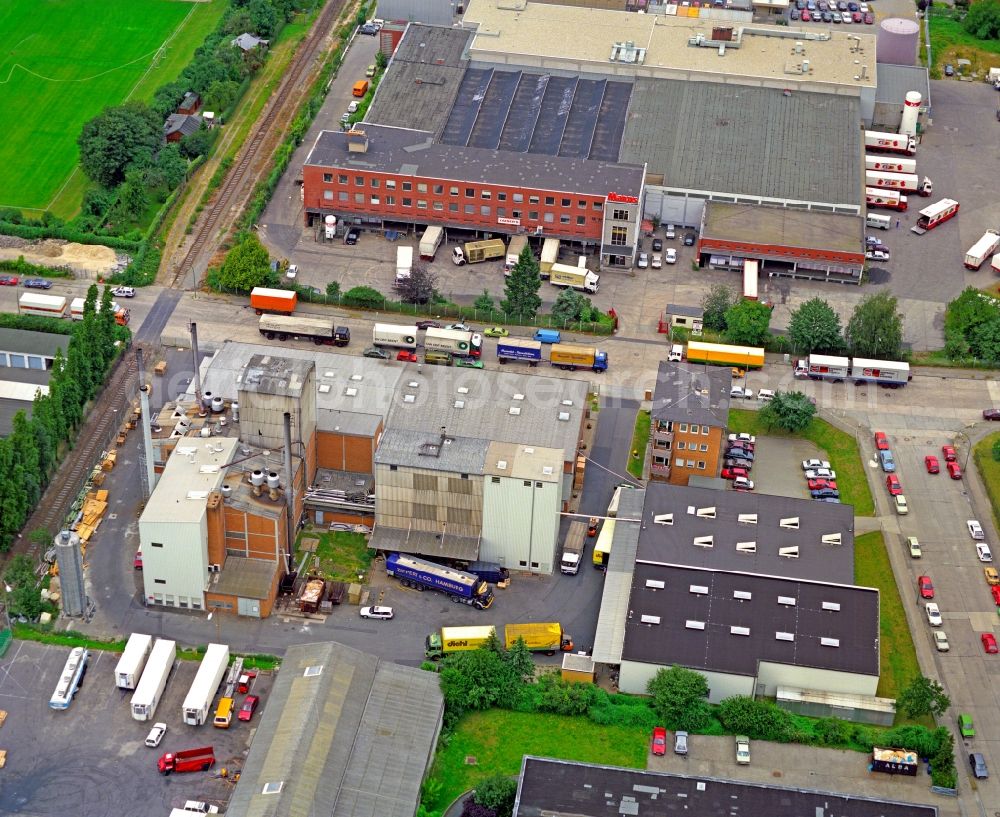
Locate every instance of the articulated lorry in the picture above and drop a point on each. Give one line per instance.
(46, 306)
(573, 548)
(562, 275)
(519, 349)
(391, 334)
(982, 249)
(890, 143)
(456, 639)
(122, 315)
(453, 341)
(903, 182)
(572, 357)
(891, 164)
(935, 215)
(514, 249)
(129, 667)
(859, 370)
(275, 301)
(321, 331)
(187, 760)
(473, 252)
(430, 241)
(548, 638)
(423, 575)
(198, 702)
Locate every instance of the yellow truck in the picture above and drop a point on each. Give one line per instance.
(745, 357)
(457, 639)
(475, 251)
(548, 638)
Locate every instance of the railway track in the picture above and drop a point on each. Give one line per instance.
(282, 102)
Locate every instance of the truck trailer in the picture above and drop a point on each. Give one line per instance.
(884, 372)
(574, 547)
(129, 666)
(473, 252)
(891, 164)
(602, 547)
(391, 334)
(122, 315)
(903, 182)
(823, 367)
(746, 357)
(423, 575)
(150, 688)
(275, 301)
(430, 241)
(982, 249)
(514, 250)
(404, 265)
(890, 143)
(453, 341)
(320, 331)
(751, 273)
(457, 639)
(548, 638)
(886, 199)
(562, 275)
(187, 760)
(894, 761)
(550, 255)
(46, 306)
(492, 572)
(572, 357)
(519, 349)
(935, 215)
(198, 702)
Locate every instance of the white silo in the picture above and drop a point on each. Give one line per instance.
(896, 41)
(330, 227)
(911, 110)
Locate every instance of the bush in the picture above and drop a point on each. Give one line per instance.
(832, 731)
(621, 710)
(364, 297)
(565, 697)
(758, 719)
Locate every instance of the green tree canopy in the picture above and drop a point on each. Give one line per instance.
(571, 306)
(983, 20)
(815, 327)
(876, 328)
(748, 322)
(923, 696)
(114, 138)
(419, 287)
(521, 287)
(246, 266)
(679, 697)
(716, 303)
(787, 410)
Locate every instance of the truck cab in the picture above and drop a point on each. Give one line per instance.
(341, 336)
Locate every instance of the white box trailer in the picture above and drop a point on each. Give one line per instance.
(154, 679)
(982, 249)
(995, 263)
(883, 372)
(391, 334)
(891, 164)
(550, 255)
(430, 241)
(750, 276)
(47, 306)
(404, 263)
(514, 249)
(454, 341)
(133, 659)
(77, 305)
(198, 701)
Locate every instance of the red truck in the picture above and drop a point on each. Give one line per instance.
(187, 760)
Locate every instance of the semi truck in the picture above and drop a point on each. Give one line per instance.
(404, 264)
(602, 547)
(390, 334)
(473, 252)
(550, 255)
(904, 182)
(574, 547)
(150, 688)
(453, 341)
(572, 357)
(514, 249)
(858, 370)
(519, 349)
(890, 143)
(548, 638)
(894, 761)
(46, 306)
(198, 702)
(423, 575)
(320, 331)
(982, 249)
(129, 666)
(746, 357)
(187, 760)
(122, 315)
(886, 199)
(823, 367)
(430, 241)
(456, 639)
(935, 215)
(275, 301)
(892, 164)
(562, 275)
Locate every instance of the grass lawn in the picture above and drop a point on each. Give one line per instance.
(342, 555)
(989, 470)
(950, 41)
(63, 62)
(498, 739)
(640, 439)
(841, 450)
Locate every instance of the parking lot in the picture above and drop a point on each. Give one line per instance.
(777, 466)
(90, 760)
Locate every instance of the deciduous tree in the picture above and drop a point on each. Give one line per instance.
(419, 287)
(114, 138)
(521, 288)
(679, 697)
(815, 327)
(923, 696)
(983, 20)
(570, 306)
(787, 410)
(747, 323)
(246, 266)
(876, 328)
(716, 303)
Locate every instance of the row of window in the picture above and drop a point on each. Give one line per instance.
(682, 428)
(16, 361)
(679, 462)
(664, 445)
(181, 601)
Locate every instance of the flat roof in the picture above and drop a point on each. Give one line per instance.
(196, 467)
(690, 393)
(743, 140)
(328, 739)
(23, 341)
(433, 451)
(895, 81)
(564, 36)
(518, 461)
(730, 622)
(275, 374)
(683, 309)
(248, 578)
(610, 634)
(783, 227)
(747, 532)
(414, 153)
(549, 787)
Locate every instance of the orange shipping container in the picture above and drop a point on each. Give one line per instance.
(281, 301)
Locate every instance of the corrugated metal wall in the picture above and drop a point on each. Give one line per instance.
(521, 523)
(181, 563)
(429, 500)
(432, 12)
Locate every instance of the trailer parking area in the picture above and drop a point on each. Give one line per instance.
(90, 760)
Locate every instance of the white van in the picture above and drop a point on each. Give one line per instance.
(676, 354)
(880, 222)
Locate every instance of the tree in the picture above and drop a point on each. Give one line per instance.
(484, 302)
(983, 20)
(113, 139)
(169, 168)
(747, 323)
(679, 697)
(985, 340)
(263, 18)
(419, 287)
(364, 298)
(166, 98)
(132, 197)
(788, 410)
(197, 144)
(570, 306)
(521, 288)
(757, 719)
(381, 60)
(333, 290)
(815, 327)
(716, 303)
(221, 94)
(497, 793)
(246, 266)
(923, 696)
(876, 328)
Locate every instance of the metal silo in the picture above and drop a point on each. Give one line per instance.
(897, 41)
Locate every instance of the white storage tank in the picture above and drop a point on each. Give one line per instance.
(897, 41)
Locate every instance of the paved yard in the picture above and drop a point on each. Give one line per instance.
(778, 466)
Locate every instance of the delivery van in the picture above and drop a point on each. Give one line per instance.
(878, 222)
(547, 336)
(224, 714)
(360, 87)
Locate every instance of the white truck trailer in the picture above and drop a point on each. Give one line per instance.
(514, 249)
(154, 680)
(562, 275)
(890, 143)
(404, 264)
(133, 659)
(891, 164)
(430, 241)
(46, 306)
(903, 182)
(550, 255)
(884, 372)
(982, 249)
(391, 334)
(198, 702)
(823, 367)
(454, 341)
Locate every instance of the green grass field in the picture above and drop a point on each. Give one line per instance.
(65, 60)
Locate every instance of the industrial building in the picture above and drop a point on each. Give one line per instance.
(25, 367)
(548, 786)
(329, 740)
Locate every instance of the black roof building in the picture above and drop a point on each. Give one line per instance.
(691, 393)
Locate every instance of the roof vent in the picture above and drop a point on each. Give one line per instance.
(567, 402)
(789, 523)
(409, 398)
(501, 465)
(791, 552)
(650, 619)
(273, 788)
(663, 519)
(739, 630)
(547, 470)
(691, 624)
(515, 410)
(788, 601)
(831, 606)
(830, 642)
(329, 374)
(324, 388)
(357, 377)
(463, 389)
(745, 595)
(706, 513)
(413, 384)
(518, 396)
(832, 539)
(528, 450)
(564, 416)
(655, 584)
(704, 541)
(746, 547)
(699, 589)
(351, 392)
(312, 672)
(747, 519)
(781, 636)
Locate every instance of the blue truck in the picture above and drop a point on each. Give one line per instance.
(421, 574)
(519, 349)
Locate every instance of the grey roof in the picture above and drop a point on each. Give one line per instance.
(247, 42)
(894, 81)
(190, 99)
(610, 634)
(414, 153)
(827, 626)
(332, 740)
(35, 343)
(245, 577)
(8, 408)
(781, 522)
(416, 449)
(35, 377)
(549, 787)
(746, 141)
(690, 393)
(182, 123)
(782, 227)
(690, 311)
(276, 375)
(441, 545)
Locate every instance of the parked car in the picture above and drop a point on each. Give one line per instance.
(991, 414)
(733, 473)
(384, 613)
(370, 71)
(368, 29)
(983, 552)
(965, 725)
(739, 391)
(991, 575)
(656, 261)
(989, 643)
(806, 17)
(821, 473)
(949, 70)
(887, 461)
(740, 454)
(37, 283)
(794, 15)
(469, 363)
(941, 641)
(689, 239)
(743, 484)
(137, 560)
(657, 244)
(376, 352)
(123, 292)
(893, 484)
(914, 547)
(670, 232)
(820, 484)
(764, 395)
(901, 507)
(978, 764)
(428, 325)
(975, 529)
(869, 19)
(743, 444)
(737, 462)
(933, 614)
(825, 493)
(743, 750)
(931, 464)
(949, 453)
(156, 735)
(680, 743)
(808, 465)
(461, 326)
(995, 592)
(857, 18)
(881, 441)
(8, 280)
(926, 587)
(658, 745)
(352, 237)
(954, 470)
(743, 437)
(248, 708)
(407, 356)
(671, 255)
(643, 261)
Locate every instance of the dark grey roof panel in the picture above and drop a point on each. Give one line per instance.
(556, 105)
(493, 113)
(468, 102)
(582, 120)
(611, 122)
(524, 111)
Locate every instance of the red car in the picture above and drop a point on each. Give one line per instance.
(869, 19)
(926, 587)
(995, 590)
(821, 484)
(989, 643)
(954, 470)
(406, 356)
(856, 17)
(931, 464)
(949, 453)
(8, 280)
(659, 744)
(248, 708)
(881, 441)
(733, 473)
(892, 483)
(806, 16)
(137, 561)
